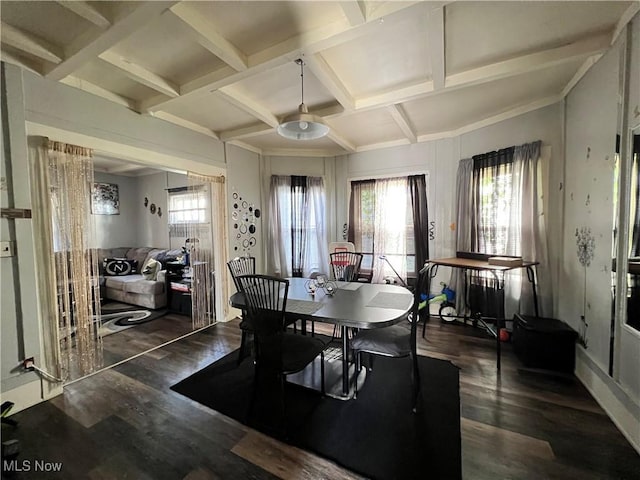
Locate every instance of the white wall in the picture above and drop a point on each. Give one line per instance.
(592, 118)
(153, 230)
(118, 230)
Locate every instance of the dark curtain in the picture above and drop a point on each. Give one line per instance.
(299, 212)
(418, 192)
(486, 167)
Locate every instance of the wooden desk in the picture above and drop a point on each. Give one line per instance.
(495, 270)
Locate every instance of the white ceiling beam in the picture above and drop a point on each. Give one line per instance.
(29, 43)
(168, 117)
(626, 17)
(89, 87)
(327, 76)
(584, 68)
(209, 37)
(435, 32)
(246, 146)
(248, 105)
(401, 118)
(245, 132)
(340, 140)
(378, 146)
(20, 62)
(531, 62)
(355, 11)
(92, 44)
(301, 152)
(395, 95)
(140, 74)
(123, 168)
(86, 11)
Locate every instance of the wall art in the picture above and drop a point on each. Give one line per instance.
(244, 215)
(105, 199)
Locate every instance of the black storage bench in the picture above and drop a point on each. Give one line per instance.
(544, 343)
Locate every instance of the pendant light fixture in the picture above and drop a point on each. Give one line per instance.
(302, 125)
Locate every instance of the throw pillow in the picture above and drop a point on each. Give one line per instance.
(119, 266)
(151, 269)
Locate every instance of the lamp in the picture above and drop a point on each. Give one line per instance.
(302, 125)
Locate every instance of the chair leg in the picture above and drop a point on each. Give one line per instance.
(243, 342)
(358, 366)
(322, 388)
(416, 381)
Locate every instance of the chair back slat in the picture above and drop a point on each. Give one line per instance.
(346, 265)
(241, 266)
(421, 287)
(266, 300)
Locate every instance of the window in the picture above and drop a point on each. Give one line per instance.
(496, 216)
(297, 226)
(186, 206)
(383, 223)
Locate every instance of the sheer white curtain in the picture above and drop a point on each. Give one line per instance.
(207, 243)
(283, 227)
(392, 205)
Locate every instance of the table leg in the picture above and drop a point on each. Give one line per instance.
(345, 361)
(499, 321)
(532, 279)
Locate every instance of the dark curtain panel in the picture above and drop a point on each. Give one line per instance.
(486, 168)
(418, 192)
(299, 212)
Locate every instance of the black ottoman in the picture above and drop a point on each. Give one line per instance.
(544, 343)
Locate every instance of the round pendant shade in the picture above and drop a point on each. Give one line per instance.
(302, 125)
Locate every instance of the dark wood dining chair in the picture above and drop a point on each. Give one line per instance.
(277, 352)
(395, 341)
(242, 266)
(346, 265)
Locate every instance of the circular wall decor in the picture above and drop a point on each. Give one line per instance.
(159, 212)
(152, 208)
(244, 215)
(146, 201)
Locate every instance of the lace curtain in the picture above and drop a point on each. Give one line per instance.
(207, 246)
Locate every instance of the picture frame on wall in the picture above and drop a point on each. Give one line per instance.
(105, 199)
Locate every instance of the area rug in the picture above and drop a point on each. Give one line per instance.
(116, 317)
(375, 435)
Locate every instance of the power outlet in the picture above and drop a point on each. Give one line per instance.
(29, 363)
(6, 249)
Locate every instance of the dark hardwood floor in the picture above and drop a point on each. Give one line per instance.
(125, 422)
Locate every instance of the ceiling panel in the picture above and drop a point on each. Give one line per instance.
(255, 26)
(48, 20)
(164, 47)
(105, 76)
(453, 110)
(395, 53)
(479, 33)
(279, 89)
(364, 128)
(213, 112)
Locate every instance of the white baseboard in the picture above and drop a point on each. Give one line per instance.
(608, 394)
(28, 395)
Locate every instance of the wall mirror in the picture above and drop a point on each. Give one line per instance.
(633, 245)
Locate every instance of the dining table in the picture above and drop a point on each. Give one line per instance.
(350, 305)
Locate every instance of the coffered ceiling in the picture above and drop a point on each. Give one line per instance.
(379, 73)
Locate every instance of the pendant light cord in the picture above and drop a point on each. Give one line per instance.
(301, 62)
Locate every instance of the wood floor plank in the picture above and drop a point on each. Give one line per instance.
(287, 462)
